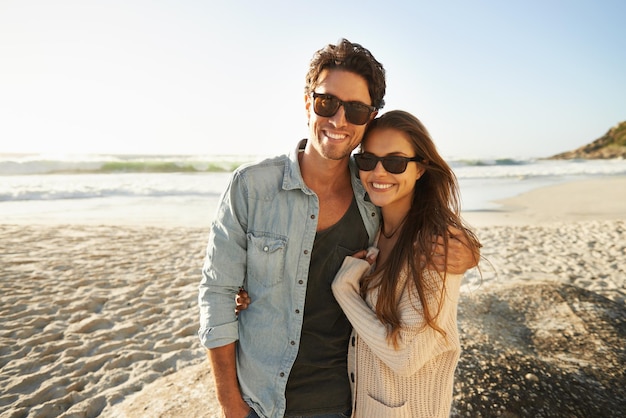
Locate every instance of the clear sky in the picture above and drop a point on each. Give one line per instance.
(489, 79)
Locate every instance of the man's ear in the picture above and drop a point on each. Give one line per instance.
(373, 116)
(307, 106)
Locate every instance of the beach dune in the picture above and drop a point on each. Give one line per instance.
(101, 320)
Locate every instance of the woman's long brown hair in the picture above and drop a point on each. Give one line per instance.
(434, 208)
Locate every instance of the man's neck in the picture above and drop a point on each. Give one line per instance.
(323, 175)
(330, 181)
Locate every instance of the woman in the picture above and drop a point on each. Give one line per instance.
(405, 345)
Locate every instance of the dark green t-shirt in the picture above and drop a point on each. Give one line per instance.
(318, 382)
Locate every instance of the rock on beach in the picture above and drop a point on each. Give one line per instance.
(541, 349)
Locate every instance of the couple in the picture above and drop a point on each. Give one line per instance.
(283, 230)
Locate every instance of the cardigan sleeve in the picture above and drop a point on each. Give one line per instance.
(417, 344)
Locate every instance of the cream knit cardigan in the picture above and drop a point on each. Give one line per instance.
(416, 379)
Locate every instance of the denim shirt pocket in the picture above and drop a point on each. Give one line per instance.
(266, 257)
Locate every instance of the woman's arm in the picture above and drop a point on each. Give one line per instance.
(417, 344)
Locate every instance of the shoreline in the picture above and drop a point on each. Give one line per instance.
(599, 198)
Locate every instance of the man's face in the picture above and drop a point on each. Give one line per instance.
(334, 137)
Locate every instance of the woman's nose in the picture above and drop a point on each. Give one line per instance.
(379, 168)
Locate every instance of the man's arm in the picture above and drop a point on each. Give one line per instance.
(226, 384)
(222, 274)
(461, 256)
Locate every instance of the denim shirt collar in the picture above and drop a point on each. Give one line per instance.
(292, 178)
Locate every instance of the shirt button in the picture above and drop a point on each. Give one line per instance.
(281, 374)
(300, 282)
(312, 216)
(266, 249)
(297, 310)
(373, 214)
(306, 251)
(292, 343)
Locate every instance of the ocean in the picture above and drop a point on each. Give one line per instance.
(174, 190)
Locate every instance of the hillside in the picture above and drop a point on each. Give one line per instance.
(611, 145)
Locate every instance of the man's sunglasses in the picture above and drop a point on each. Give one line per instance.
(326, 105)
(392, 164)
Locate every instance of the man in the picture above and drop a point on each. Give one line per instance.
(282, 230)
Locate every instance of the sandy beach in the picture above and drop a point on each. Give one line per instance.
(100, 319)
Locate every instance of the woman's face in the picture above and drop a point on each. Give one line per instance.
(385, 189)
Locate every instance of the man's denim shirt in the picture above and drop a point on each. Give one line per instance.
(262, 239)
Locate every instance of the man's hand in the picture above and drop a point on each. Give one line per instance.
(460, 256)
(241, 410)
(242, 300)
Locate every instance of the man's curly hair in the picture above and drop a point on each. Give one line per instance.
(350, 57)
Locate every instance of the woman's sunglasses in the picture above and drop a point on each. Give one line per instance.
(326, 105)
(393, 164)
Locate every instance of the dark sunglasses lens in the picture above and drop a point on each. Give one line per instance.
(356, 113)
(326, 106)
(365, 162)
(394, 165)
